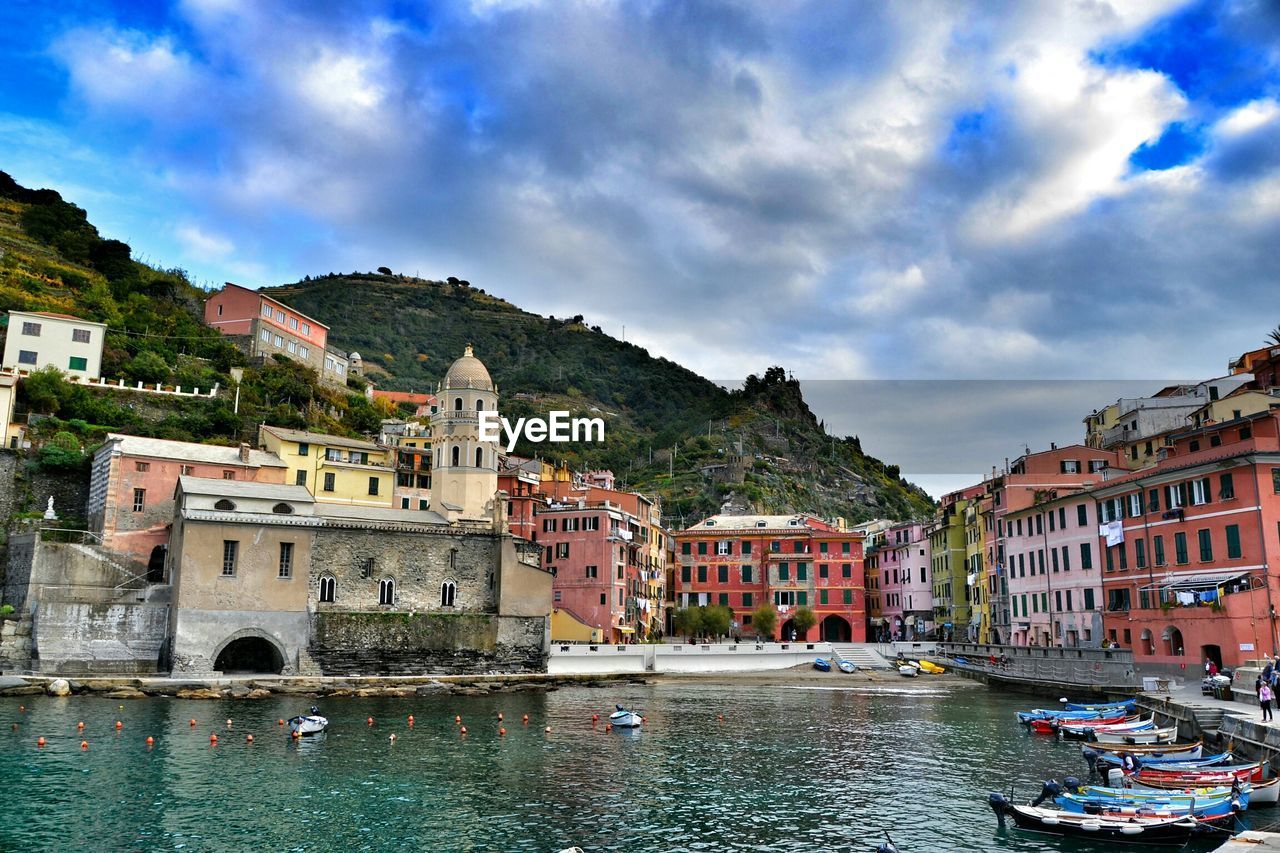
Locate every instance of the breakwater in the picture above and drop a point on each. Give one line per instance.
(1038, 669)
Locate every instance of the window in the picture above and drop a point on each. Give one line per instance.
(230, 549)
(286, 559)
(228, 475)
(746, 547)
(1205, 542)
(292, 347)
(139, 500)
(1226, 487)
(784, 571)
(328, 589)
(556, 596)
(822, 596)
(1180, 548)
(802, 571)
(722, 574)
(187, 470)
(304, 352)
(702, 574)
(277, 341)
(224, 505)
(746, 574)
(591, 522)
(31, 330)
(848, 596)
(723, 599)
(1157, 549)
(293, 322)
(306, 328)
(479, 457)
(300, 478)
(746, 600)
(448, 591)
(1062, 517)
(723, 547)
(1086, 555)
(846, 570)
(562, 550)
(823, 570)
(1082, 515)
(373, 485)
(77, 362)
(1200, 491)
(1153, 500)
(280, 316)
(1175, 495)
(26, 356)
(282, 509)
(685, 547)
(1124, 556)
(822, 547)
(1140, 553)
(604, 599)
(593, 572)
(685, 574)
(265, 336)
(142, 466)
(387, 591)
(844, 548)
(1070, 466)
(1088, 599)
(329, 478)
(1066, 558)
(1135, 504)
(1233, 542)
(267, 311)
(1246, 432)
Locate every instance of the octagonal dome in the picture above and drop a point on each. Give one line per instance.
(468, 372)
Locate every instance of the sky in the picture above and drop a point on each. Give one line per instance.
(856, 191)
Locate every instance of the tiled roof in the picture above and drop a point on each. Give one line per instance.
(319, 438)
(188, 451)
(244, 489)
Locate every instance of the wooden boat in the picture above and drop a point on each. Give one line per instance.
(1128, 830)
(1260, 793)
(624, 719)
(306, 725)
(1200, 777)
(822, 665)
(1127, 705)
(908, 671)
(1190, 750)
(1081, 729)
(1149, 736)
(1050, 725)
(1025, 717)
(846, 666)
(1212, 804)
(1167, 762)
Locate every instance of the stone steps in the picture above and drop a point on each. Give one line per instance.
(864, 657)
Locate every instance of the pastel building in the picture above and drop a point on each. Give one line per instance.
(464, 478)
(39, 339)
(588, 547)
(264, 327)
(132, 485)
(1187, 547)
(911, 547)
(333, 468)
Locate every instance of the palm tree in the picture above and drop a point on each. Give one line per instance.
(1274, 337)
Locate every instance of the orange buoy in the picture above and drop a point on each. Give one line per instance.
(213, 739)
(119, 725)
(464, 730)
(393, 738)
(369, 721)
(151, 741)
(248, 738)
(457, 721)
(296, 735)
(643, 720)
(193, 722)
(79, 727)
(411, 719)
(595, 718)
(501, 730)
(608, 727)
(279, 722)
(84, 744)
(40, 741)
(526, 719)
(22, 708)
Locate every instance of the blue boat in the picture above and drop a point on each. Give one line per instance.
(846, 666)
(1129, 706)
(822, 665)
(1208, 804)
(1167, 762)
(1026, 717)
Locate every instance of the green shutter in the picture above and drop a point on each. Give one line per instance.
(1233, 541)
(848, 596)
(802, 598)
(822, 596)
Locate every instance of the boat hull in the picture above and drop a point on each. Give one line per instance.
(311, 724)
(847, 666)
(908, 671)
(1150, 736)
(625, 720)
(1170, 830)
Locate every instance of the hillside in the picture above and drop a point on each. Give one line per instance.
(409, 330)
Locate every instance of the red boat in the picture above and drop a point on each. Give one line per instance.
(1050, 726)
(1200, 778)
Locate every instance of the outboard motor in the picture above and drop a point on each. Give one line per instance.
(1091, 758)
(887, 847)
(1071, 784)
(1048, 791)
(999, 805)
(315, 711)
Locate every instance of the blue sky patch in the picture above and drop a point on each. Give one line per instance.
(1179, 144)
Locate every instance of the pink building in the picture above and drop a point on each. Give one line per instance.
(132, 486)
(914, 587)
(1054, 581)
(264, 327)
(592, 550)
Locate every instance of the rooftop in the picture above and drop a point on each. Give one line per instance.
(51, 315)
(375, 513)
(188, 451)
(319, 438)
(275, 301)
(244, 489)
(760, 522)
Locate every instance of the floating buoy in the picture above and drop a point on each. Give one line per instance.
(608, 727)
(248, 738)
(40, 741)
(193, 722)
(526, 719)
(279, 722)
(22, 709)
(121, 707)
(464, 730)
(119, 725)
(84, 744)
(79, 727)
(369, 721)
(720, 717)
(15, 727)
(411, 719)
(295, 735)
(457, 721)
(151, 741)
(547, 730)
(644, 720)
(228, 724)
(595, 718)
(501, 731)
(393, 738)
(499, 716)
(213, 739)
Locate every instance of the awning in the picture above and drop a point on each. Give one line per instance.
(877, 620)
(1196, 580)
(626, 630)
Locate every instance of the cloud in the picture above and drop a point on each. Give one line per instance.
(945, 189)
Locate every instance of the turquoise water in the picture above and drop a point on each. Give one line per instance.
(788, 769)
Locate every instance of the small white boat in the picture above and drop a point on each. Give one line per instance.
(308, 724)
(624, 719)
(1165, 735)
(909, 670)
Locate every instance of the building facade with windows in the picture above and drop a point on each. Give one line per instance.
(1189, 547)
(132, 484)
(911, 548)
(37, 339)
(464, 479)
(789, 561)
(335, 469)
(264, 327)
(589, 547)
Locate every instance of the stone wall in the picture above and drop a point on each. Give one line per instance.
(418, 562)
(18, 564)
(70, 638)
(15, 644)
(358, 643)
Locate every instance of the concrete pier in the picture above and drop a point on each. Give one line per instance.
(1252, 841)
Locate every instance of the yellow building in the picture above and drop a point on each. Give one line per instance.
(975, 572)
(8, 395)
(567, 628)
(951, 592)
(333, 468)
(1238, 404)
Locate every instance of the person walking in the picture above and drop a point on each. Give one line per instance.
(1264, 699)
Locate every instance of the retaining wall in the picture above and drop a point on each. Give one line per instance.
(583, 659)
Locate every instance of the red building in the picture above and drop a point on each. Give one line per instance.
(592, 550)
(1188, 547)
(791, 561)
(521, 479)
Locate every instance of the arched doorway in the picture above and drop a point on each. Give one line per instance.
(249, 654)
(836, 630)
(788, 628)
(1212, 653)
(1173, 637)
(155, 565)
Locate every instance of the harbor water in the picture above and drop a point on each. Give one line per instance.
(817, 765)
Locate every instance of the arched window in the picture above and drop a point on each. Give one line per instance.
(479, 457)
(479, 405)
(328, 588)
(225, 505)
(457, 404)
(387, 591)
(282, 509)
(448, 591)
(457, 455)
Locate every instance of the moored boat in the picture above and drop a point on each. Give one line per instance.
(930, 667)
(305, 725)
(846, 666)
(1129, 830)
(1193, 749)
(1126, 705)
(909, 671)
(624, 719)
(1081, 727)
(1205, 804)
(1149, 736)
(1082, 731)
(822, 665)
(1169, 762)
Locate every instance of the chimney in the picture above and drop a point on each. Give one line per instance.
(244, 452)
